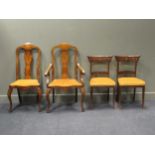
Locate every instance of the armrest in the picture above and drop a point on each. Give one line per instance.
(47, 73)
(82, 71)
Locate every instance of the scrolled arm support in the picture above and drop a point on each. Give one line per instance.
(81, 71)
(47, 73)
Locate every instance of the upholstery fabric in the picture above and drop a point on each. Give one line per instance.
(102, 81)
(25, 83)
(65, 83)
(129, 81)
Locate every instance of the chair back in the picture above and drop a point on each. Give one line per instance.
(105, 60)
(65, 49)
(127, 60)
(28, 49)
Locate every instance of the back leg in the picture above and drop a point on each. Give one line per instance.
(143, 96)
(19, 95)
(134, 94)
(76, 95)
(108, 91)
(39, 96)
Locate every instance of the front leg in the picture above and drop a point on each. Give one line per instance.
(9, 97)
(82, 90)
(48, 99)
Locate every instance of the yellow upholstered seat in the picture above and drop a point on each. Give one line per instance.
(102, 81)
(25, 83)
(131, 81)
(65, 83)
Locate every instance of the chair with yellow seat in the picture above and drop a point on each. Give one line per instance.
(101, 78)
(126, 78)
(64, 81)
(27, 82)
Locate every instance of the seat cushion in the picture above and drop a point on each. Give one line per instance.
(65, 83)
(102, 81)
(131, 81)
(25, 83)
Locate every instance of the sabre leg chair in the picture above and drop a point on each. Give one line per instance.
(101, 79)
(64, 81)
(27, 82)
(127, 78)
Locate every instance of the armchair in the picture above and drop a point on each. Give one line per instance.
(65, 82)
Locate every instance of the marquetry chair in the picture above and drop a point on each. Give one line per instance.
(27, 82)
(64, 81)
(101, 79)
(126, 78)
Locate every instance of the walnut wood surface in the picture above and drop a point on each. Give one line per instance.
(28, 50)
(105, 61)
(100, 60)
(65, 49)
(131, 59)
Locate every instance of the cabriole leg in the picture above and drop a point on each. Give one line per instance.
(10, 99)
(82, 89)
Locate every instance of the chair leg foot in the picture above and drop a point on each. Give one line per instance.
(48, 100)
(10, 99)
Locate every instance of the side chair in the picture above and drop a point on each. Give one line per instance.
(28, 82)
(128, 78)
(101, 79)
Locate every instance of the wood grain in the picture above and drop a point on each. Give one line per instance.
(28, 50)
(65, 49)
(105, 61)
(132, 60)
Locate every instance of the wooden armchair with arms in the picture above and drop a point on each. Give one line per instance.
(127, 78)
(28, 82)
(65, 82)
